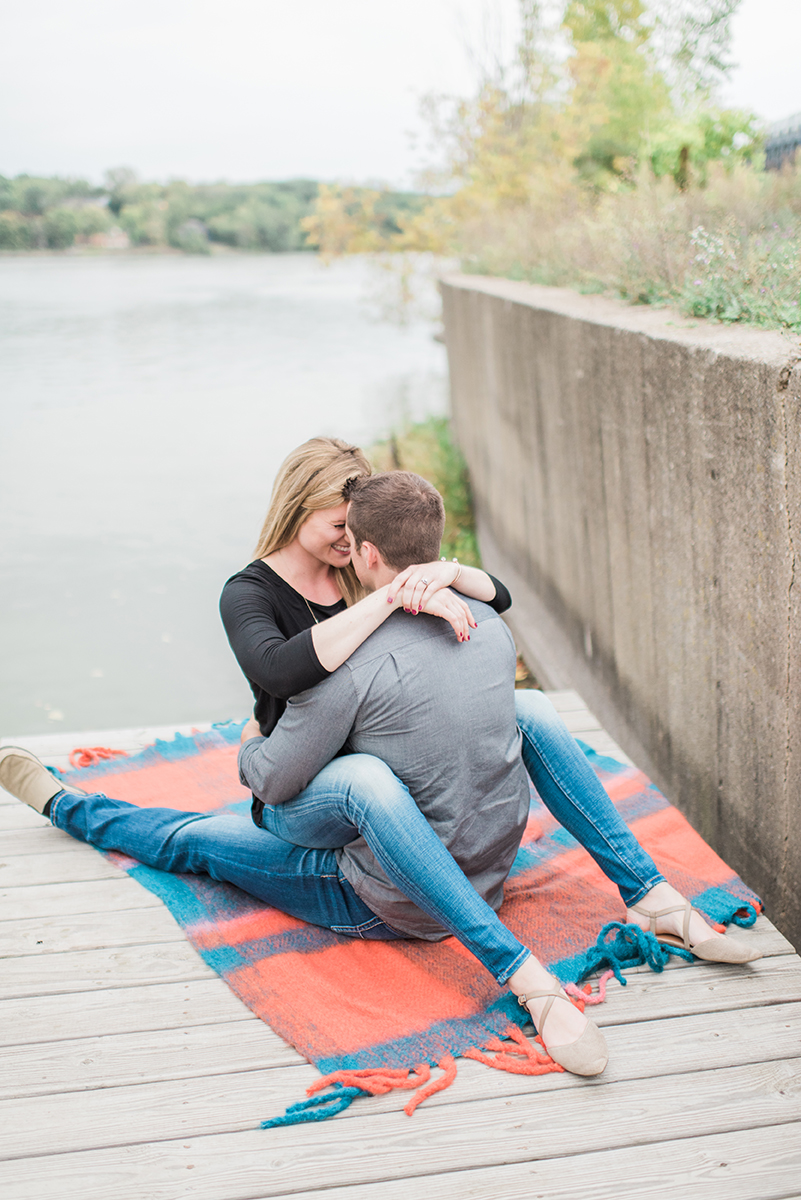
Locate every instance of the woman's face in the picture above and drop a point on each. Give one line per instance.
(323, 536)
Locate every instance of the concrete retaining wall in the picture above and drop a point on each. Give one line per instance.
(637, 479)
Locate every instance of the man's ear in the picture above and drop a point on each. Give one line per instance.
(370, 556)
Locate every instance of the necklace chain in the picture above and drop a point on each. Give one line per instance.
(311, 610)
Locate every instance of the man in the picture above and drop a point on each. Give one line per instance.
(420, 839)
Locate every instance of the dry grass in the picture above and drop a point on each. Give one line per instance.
(730, 250)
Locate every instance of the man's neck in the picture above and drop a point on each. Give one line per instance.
(380, 577)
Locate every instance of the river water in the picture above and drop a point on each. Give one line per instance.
(146, 403)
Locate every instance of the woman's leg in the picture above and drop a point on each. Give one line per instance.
(358, 795)
(571, 790)
(304, 883)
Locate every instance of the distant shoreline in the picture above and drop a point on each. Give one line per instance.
(215, 250)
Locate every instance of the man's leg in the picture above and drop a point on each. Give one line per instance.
(304, 883)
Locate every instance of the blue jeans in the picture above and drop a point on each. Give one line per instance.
(304, 883)
(290, 862)
(571, 790)
(354, 795)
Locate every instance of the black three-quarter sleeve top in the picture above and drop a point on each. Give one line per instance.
(269, 628)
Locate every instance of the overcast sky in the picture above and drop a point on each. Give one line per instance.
(274, 89)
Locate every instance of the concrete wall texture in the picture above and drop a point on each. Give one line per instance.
(637, 479)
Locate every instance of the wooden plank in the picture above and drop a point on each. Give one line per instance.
(89, 896)
(119, 1010)
(725, 1166)
(705, 987)
(102, 1062)
(85, 970)
(45, 839)
(580, 722)
(19, 816)
(603, 744)
(674, 1046)
(79, 862)
(567, 700)
(88, 931)
(546, 1123)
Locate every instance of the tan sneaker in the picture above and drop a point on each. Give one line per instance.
(24, 776)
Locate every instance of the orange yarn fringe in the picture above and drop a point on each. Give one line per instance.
(380, 1080)
(516, 1055)
(89, 756)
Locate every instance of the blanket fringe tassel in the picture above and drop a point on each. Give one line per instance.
(90, 756)
(516, 1055)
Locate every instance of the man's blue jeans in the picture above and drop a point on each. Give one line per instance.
(290, 862)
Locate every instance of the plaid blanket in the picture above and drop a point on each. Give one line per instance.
(394, 1009)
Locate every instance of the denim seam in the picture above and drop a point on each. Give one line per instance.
(644, 890)
(558, 782)
(522, 957)
(54, 806)
(357, 930)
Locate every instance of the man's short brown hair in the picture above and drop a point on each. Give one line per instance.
(400, 513)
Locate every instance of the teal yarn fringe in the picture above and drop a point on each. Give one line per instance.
(724, 908)
(317, 1108)
(744, 919)
(619, 946)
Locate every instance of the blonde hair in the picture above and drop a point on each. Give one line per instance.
(309, 479)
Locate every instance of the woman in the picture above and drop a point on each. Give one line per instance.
(296, 614)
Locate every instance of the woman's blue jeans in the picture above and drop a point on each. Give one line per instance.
(570, 789)
(290, 862)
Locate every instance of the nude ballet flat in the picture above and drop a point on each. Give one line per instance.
(715, 949)
(587, 1055)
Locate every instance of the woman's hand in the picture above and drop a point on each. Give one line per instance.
(417, 586)
(251, 729)
(452, 608)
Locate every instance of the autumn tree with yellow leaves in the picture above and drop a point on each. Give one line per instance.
(599, 159)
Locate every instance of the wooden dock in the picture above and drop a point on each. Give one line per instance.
(129, 1070)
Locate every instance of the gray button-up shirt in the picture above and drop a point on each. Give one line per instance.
(441, 714)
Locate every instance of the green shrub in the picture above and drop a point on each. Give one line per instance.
(145, 223)
(60, 226)
(192, 237)
(16, 233)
